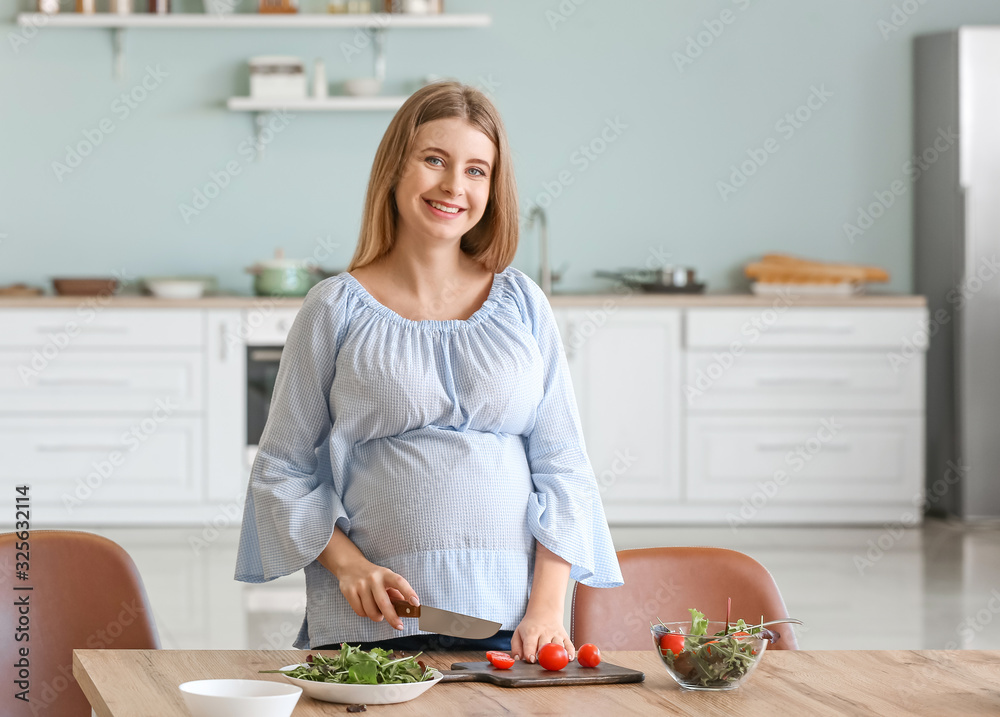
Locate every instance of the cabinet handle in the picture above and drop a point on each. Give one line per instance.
(223, 352)
(800, 381)
(83, 382)
(90, 329)
(83, 448)
(568, 347)
(771, 447)
(265, 355)
(821, 329)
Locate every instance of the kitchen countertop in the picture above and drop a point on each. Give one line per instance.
(602, 300)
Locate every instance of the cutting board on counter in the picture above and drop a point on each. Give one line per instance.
(525, 674)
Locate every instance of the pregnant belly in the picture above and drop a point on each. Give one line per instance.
(436, 489)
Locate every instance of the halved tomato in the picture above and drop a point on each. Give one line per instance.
(500, 660)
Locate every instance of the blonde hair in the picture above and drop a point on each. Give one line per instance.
(493, 241)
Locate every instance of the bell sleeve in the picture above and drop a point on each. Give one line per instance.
(291, 504)
(565, 513)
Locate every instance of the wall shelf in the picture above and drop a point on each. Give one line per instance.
(312, 104)
(251, 21)
(375, 24)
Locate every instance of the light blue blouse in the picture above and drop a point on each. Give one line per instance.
(443, 449)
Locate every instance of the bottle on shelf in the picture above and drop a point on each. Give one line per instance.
(159, 7)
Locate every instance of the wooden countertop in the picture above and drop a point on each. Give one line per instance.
(938, 683)
(606, 301)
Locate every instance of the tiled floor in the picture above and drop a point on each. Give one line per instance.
(933, 587)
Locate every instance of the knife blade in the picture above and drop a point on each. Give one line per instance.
(444, 622)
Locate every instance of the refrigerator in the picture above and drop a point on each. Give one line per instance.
(956, 218)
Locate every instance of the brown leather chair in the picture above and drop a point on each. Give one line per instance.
(86, 593)
(663, 583)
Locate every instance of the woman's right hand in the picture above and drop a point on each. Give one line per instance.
(369, 590)
(367, 587)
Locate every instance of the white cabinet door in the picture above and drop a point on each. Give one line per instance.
(625, 365)
(92, 381)
(805, 458)
(225, 424)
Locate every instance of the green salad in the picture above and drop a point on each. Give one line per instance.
(711, 661)
(355, 666)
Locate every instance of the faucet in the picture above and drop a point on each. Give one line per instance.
(545, 271)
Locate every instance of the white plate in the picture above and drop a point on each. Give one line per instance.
(362, 694)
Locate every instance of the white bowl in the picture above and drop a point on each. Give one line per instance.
(176, 288)
(362, 694)
(362, 86)
(240, 698)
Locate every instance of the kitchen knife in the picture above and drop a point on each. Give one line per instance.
(444, 622)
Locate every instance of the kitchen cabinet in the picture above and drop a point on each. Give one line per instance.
(625, 365)
(694, 410)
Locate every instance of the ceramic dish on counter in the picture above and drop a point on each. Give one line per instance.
(352, 694)
(239, 698)
(85, 287)
(166, 287)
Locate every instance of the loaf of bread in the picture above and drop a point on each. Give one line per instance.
(785, 269)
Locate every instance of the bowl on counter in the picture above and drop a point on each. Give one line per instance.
(362, 86)
(707, 662)
(175, 287)
(239, 698)
(84, 286)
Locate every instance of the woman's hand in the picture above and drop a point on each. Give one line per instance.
(367, 587)
(537, 629)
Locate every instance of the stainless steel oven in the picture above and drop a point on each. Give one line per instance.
(267, 329)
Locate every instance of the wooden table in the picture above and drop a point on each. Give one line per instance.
(139, 683)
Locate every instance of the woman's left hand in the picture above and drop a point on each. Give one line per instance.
(535, 630)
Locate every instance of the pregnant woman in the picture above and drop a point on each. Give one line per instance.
(423, 442)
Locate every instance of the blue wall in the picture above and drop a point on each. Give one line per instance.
(559, 72)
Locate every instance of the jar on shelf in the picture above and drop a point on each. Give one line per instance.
(49, 7)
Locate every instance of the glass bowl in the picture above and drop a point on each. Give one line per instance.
(707, 662)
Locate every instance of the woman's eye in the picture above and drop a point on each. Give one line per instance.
(433, 159)
(481, 172)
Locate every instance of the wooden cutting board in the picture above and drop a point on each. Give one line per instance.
(525, 674)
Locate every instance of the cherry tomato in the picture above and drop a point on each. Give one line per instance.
(672, 642)
(500, 660)
(553, 657)
(741, 633)
(588, 655)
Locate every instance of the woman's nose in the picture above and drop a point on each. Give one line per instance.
(451, 183)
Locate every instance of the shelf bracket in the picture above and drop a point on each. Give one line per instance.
(118, 43)
(378, 38)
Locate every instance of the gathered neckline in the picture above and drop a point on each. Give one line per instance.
(492, 300)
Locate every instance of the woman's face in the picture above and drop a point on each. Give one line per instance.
(450, 165)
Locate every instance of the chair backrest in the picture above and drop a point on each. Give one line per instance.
(85, 593)
(663, 583)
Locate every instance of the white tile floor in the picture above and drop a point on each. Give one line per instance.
(933, 587)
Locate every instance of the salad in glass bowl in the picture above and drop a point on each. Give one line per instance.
(704, 655)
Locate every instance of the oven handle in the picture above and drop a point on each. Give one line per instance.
(265, 354)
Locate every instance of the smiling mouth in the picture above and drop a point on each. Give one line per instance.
(443, 209)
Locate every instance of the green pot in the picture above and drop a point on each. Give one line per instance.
(283, 277)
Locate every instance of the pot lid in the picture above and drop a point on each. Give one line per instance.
(280, 262)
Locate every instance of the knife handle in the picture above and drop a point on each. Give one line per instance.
(405, 609)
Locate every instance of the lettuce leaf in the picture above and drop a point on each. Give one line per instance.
(699, 624)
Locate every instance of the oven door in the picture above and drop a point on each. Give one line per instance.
(262, 370)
